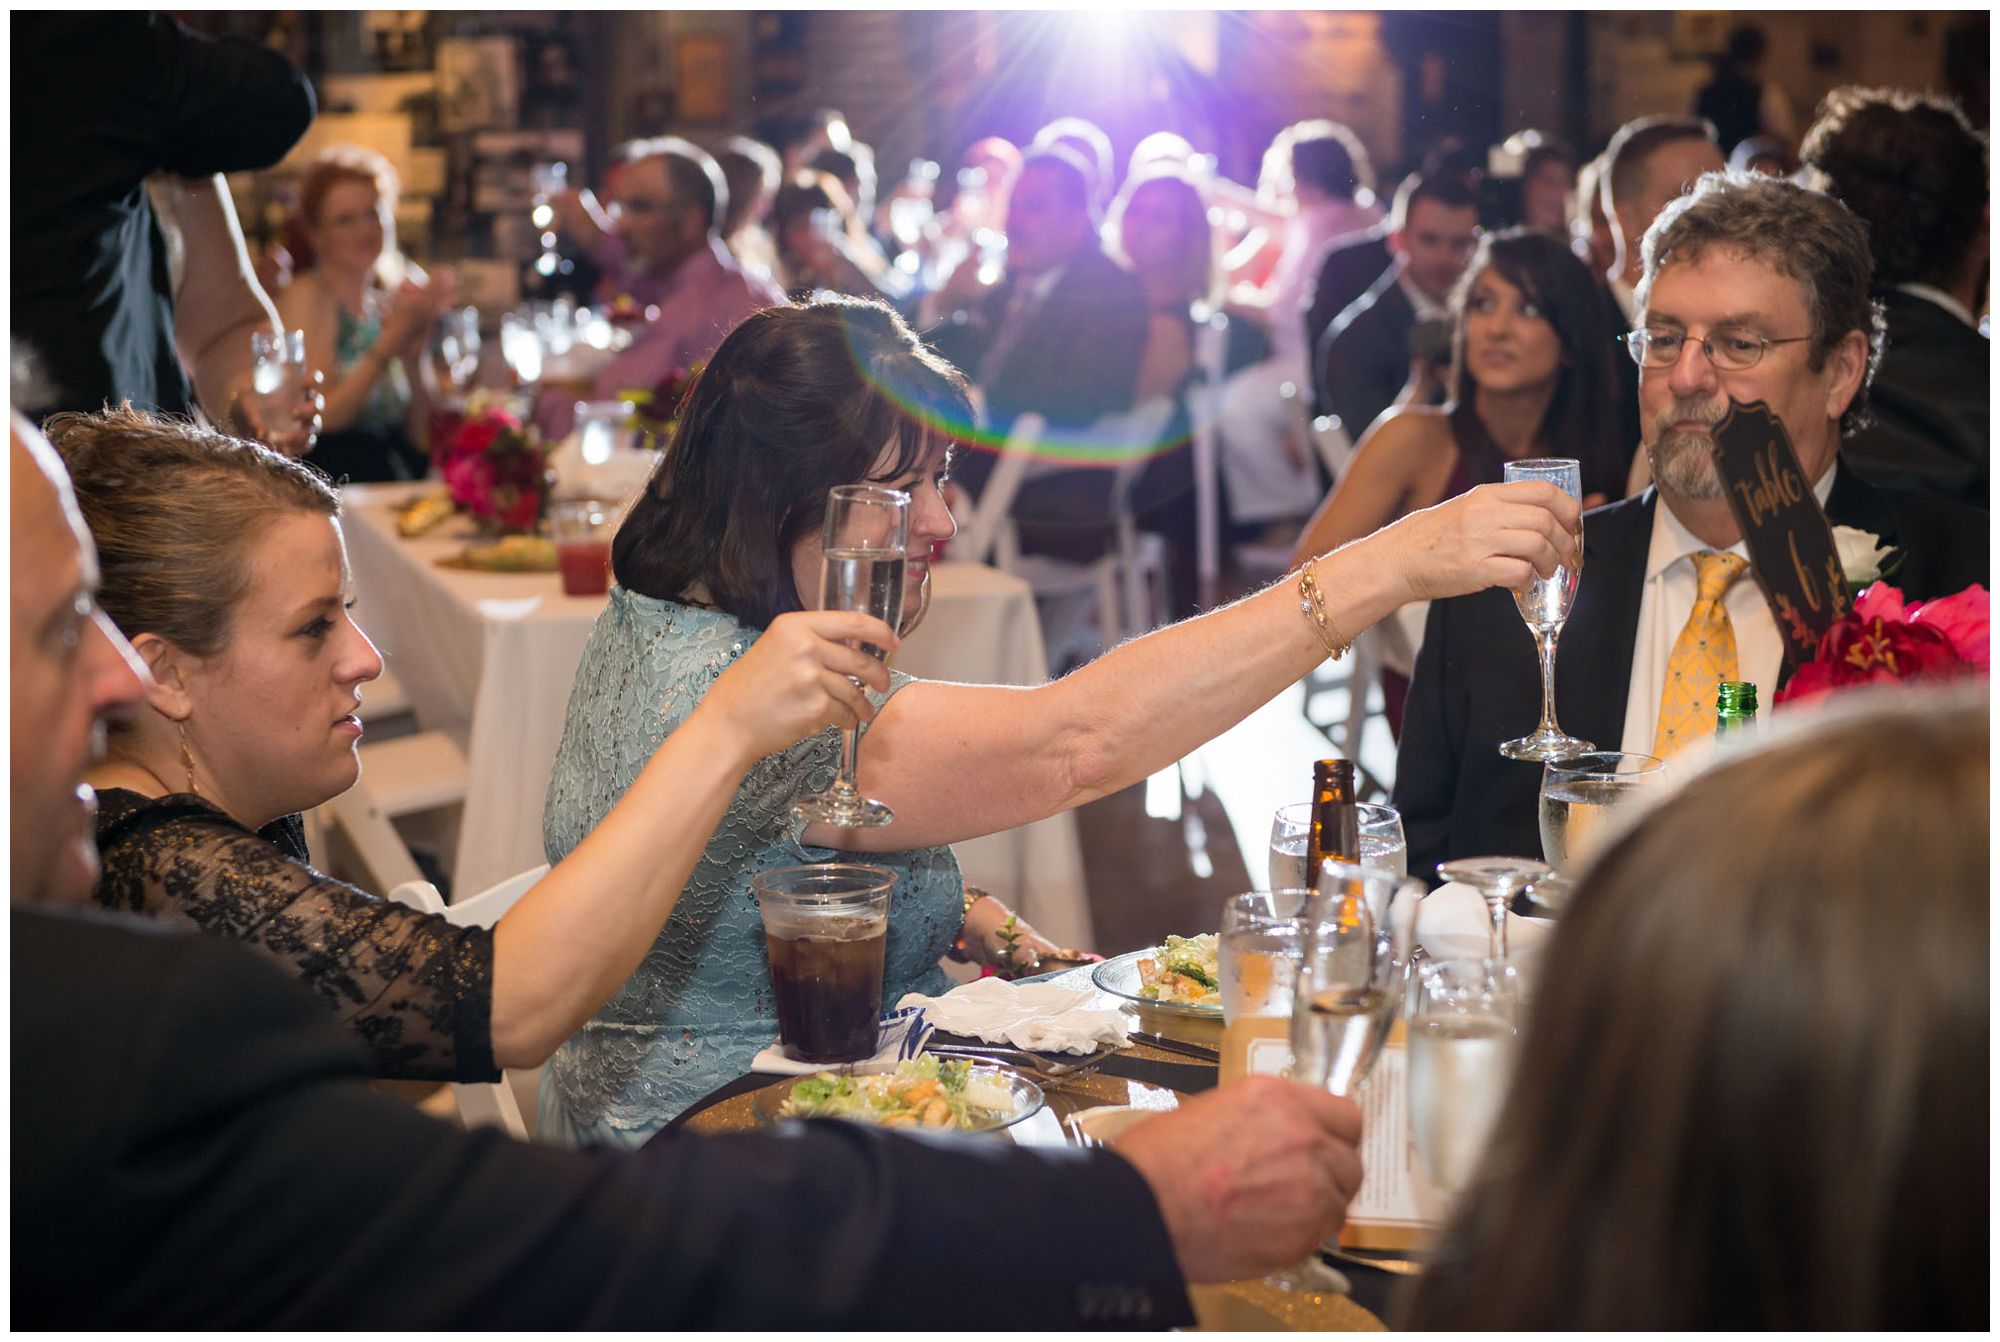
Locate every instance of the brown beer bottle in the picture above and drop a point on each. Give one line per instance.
(1336, 823)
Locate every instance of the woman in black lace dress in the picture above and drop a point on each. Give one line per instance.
(223, 563)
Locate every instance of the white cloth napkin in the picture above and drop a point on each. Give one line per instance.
(903, 1035)
(1451, 925)
(1037, 1016)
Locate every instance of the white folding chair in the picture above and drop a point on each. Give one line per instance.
(399, 777)
(1128, 582)
(484, 1104)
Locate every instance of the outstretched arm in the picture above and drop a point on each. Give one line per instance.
(958, 761)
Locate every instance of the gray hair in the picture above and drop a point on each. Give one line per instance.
(1805, 235)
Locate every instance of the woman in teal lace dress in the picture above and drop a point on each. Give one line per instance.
(797, 400)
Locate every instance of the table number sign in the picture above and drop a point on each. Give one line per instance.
(1786, 532)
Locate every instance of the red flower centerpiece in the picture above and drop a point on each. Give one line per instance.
(1882, 641)
(493, 465)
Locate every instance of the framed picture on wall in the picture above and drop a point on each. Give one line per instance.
(701, 78)
(479, 84)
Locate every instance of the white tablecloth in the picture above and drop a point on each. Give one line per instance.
(490, 657)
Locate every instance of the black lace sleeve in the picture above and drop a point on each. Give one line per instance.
(415, 989)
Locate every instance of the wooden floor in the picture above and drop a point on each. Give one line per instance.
(1162, 857)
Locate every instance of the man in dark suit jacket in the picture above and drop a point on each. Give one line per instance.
(1061, 336)
(1345, 270)
(1364, 357)
(1710, 257)
(1911, 165)
(196, 1144)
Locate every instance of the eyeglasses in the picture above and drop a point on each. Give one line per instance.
(1731, 348)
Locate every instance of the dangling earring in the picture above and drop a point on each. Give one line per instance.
(187, 759)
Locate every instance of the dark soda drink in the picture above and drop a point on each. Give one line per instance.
(828, 993)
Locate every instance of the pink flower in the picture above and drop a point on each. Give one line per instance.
(1883, 642)
(1963, 620)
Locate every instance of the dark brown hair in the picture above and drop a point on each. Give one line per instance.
(1580, 421)
(1914, 170)
(797, 399)
(1752, 1092)
(174, 510)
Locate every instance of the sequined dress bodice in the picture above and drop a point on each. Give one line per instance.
(698, 1008)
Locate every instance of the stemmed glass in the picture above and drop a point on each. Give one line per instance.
(521, 347)
(1382, 842)
(864, 552)
(458, 348)
(1461, 1057)
(1344, 1000)
(1498, 880)
(278, 375)
(1545, 604)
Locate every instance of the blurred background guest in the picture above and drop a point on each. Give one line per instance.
(1159, 231)
(1092, 146)
(367, 314)
(1752, 1094)
(750, 172)
(1589, 228)
(1913, 168)
(1649, 161)
(1365, 355)
(1761, 153)
(1267, 461)
(1738, 101)
(672, 201)
(821, 245)
(1548, 177)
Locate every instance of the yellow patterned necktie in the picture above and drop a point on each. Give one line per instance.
(1704, 656)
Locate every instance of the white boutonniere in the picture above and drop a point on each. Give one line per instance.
(1863, 557)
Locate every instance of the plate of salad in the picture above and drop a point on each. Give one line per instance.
(1180, 977)
(938, 1094)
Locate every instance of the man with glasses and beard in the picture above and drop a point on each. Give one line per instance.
(1753, 289)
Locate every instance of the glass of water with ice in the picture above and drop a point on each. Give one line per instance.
(1461, 1059)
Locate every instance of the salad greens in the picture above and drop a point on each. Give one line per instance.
(922, 1092)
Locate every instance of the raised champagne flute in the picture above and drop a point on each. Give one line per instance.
(1545, 604)
(864, 553)
(1498, 880)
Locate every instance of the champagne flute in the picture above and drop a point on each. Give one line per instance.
(864, 552)
(1382, 841)
(1498, 880)
(1545, 604)
(1461, 1058)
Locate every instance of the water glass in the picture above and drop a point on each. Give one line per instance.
(1579, 795)
(278, 375)
(1382, 842)
(458, 348)
(1258, 954)
(1461, 1057)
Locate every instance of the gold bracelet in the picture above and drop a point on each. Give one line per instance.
(973, 894)
(1312, 604)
